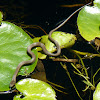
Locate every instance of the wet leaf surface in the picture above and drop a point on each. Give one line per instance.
(33, 89)
(13, 50)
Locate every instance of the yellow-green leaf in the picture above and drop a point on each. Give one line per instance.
(33, 89)
(88, 21)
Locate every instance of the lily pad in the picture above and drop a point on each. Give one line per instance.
(65, 40)
(96, 95)
(13, 50)
(33, 89)
(88, 21)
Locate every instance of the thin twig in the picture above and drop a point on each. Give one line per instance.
(65, 60)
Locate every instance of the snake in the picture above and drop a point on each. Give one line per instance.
(30, 47)
(39, 44)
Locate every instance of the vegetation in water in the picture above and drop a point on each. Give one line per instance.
(81, 67)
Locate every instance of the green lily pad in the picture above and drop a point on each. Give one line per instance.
(88, 21)
(33, 89)
(13, 50)
(65, 40)
(96, 95)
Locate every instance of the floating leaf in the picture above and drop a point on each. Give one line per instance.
(65, 40)
(33, 89)
(13, 50)
(88, 21)
(96, 95)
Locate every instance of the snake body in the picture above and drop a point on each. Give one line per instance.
(36, 44)
(12, 83)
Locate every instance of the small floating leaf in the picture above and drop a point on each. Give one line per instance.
(65, 40)
(33, 89)
(88, 21)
